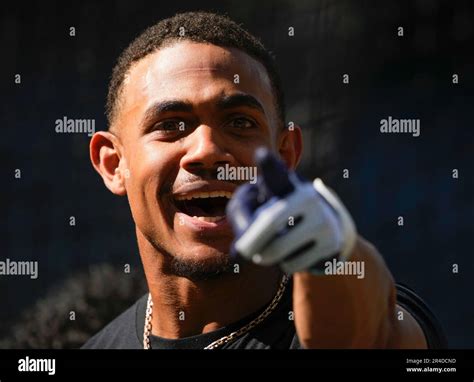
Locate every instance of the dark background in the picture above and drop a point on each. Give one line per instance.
(390, 175)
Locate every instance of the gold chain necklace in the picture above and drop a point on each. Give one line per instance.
(221, 341)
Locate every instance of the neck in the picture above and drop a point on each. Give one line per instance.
(183, 307)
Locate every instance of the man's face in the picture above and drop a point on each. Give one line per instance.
(186, 110)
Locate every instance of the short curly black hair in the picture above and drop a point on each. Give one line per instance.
(203, 27)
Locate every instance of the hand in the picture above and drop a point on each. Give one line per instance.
(285, 220)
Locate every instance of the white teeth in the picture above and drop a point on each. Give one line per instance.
(205, 195)
(209, 218)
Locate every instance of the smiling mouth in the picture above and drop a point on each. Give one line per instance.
(205, 206)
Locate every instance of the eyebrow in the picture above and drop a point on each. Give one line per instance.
(166, 106)
(239, 100)
(224, 103)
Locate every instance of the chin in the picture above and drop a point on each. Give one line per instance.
(206, 252)
(194, 259)
(202, 265)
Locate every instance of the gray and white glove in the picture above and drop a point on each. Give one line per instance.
(285, 220)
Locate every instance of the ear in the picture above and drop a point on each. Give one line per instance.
(106, 157)
(290, 146)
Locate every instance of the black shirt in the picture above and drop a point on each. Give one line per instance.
(277, 331)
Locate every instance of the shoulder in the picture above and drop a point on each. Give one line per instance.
(122, 332)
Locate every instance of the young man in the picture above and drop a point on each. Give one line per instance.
(196, 94)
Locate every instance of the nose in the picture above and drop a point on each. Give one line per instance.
(205, 150)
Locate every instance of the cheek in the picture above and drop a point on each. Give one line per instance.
(244, 152)
(150, 168)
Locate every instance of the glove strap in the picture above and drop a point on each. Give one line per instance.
(347, 224)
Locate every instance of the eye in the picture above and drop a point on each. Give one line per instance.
(242, 123)
(171, 125)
